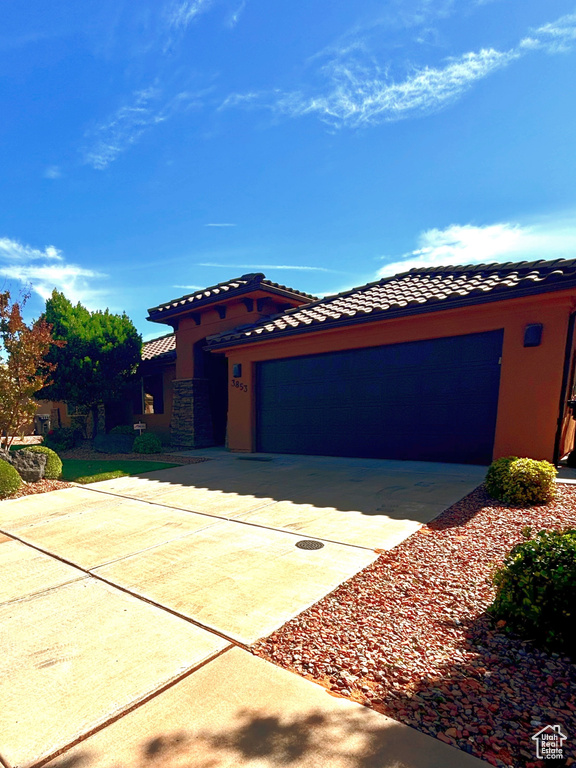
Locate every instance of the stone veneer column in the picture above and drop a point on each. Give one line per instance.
(191, 425)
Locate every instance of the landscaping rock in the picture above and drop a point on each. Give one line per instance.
(417, 620)
(30, 466)
(42, 486)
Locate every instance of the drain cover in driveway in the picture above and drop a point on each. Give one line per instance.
(309, 544)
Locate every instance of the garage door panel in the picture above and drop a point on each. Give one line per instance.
(433, 400)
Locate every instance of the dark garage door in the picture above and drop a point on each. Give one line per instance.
(432, 400)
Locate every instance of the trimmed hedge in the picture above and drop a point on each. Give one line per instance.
(147, 443)
(536, 590)
(53, 468)
(522, 482)
(10, 480)
(63, 438)
(123, 429)
(113, 443)
(497, 471)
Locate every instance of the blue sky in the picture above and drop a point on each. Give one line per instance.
(154, 147)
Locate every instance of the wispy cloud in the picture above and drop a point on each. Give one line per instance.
(357, 89)
(53, 172)
(234, 17)
(147, 108)
(189, 287)
(181, 13)
(113, 136)
(299, 267)
(362, 95)
(500, 242)
(556, 37)
(46, 269)
(359, 92)
(220, 224)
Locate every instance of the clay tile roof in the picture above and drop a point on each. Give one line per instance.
(215, 293)
(420, 289)
(163, 347)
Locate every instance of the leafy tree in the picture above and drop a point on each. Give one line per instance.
(99, 362)
(24, 369)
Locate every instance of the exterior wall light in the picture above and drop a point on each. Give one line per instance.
(237, 370)
(533, 335)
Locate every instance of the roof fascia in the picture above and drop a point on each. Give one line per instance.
(193, 306)
(160, 360)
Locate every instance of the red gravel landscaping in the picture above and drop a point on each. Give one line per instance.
(410, 637)
(42, 486)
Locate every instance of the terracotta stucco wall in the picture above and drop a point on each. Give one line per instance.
(190, 411)
(60, 409)
(530, 380)
(189, 332)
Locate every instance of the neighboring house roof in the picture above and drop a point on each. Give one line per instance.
(419, 290)
(215, 293)
(162, 347)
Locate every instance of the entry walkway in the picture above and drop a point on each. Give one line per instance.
(125, 627)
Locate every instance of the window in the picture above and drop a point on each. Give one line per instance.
(153, 390)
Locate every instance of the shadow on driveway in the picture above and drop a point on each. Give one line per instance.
(342, 740)
(398, 490)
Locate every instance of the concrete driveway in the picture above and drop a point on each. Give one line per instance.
(125, 622)
(362, 502)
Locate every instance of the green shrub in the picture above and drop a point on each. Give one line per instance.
(10, 480)
(147, 443)
(536, 590)
(497, 471)
(63, 438)
(113, 443)
(522, 482)
(53, 462)
(123, 429)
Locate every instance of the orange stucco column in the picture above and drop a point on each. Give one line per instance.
(241, 430)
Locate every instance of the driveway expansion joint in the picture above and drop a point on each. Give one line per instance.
(126, 591)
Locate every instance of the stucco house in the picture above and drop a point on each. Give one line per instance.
(459, 364)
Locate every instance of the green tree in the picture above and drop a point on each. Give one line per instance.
(99, 362)
(24, 369)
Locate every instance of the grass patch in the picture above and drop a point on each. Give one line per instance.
(88, 471)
